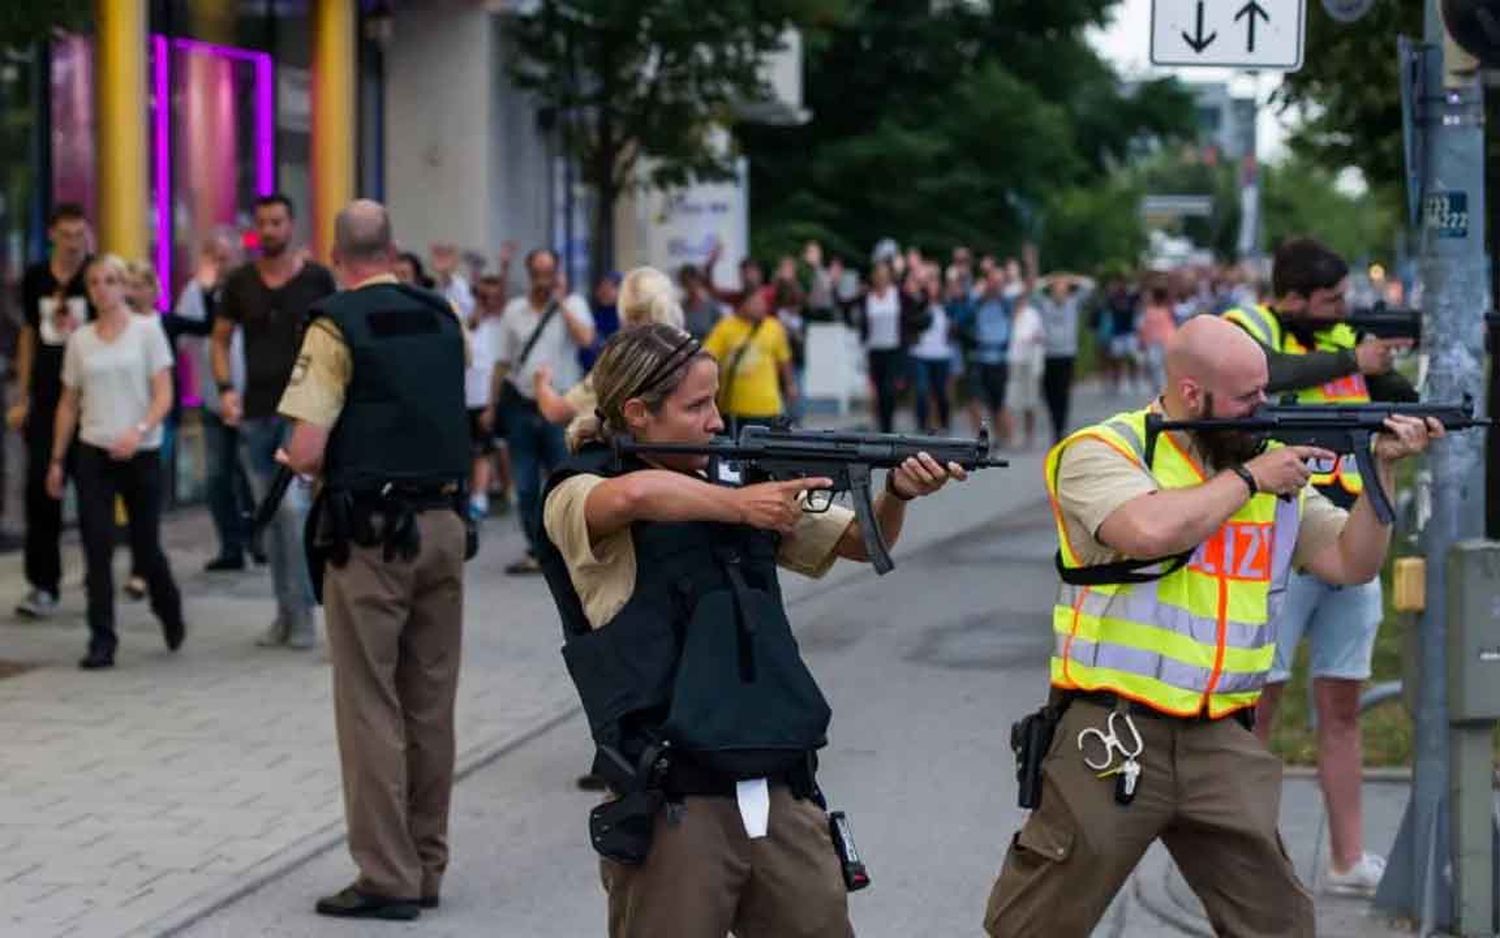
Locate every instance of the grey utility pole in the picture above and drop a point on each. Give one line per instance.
(1449, 114)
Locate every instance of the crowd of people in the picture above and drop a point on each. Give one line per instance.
(993, 336)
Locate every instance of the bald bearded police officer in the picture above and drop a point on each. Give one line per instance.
(377, 397)
(1173, 559)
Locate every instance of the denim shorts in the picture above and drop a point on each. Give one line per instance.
(1340, 623)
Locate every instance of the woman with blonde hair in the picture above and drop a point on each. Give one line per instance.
(718, 731)
(646, 296)
(117, 391)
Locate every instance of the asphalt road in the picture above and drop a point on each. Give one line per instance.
(925, 670)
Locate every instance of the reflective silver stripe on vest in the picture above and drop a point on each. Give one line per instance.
(1255, 321)
(1150, 664)
(1124, 429)
(1288, 524)
(1140, 604)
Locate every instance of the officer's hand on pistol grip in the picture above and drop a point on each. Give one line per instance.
(774, 506)
(1284, 471)
(1375, 356)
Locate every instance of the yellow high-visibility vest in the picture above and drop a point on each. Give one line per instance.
(1340, 479)
(1198, 639)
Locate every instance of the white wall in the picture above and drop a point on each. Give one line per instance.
(465, 159)
(439, 72)
(521, 209)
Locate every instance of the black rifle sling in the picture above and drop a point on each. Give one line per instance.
(1121, 571)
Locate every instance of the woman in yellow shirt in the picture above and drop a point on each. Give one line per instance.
(755, 363)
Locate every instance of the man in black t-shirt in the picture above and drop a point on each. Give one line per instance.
(268, 300)
(55, 303)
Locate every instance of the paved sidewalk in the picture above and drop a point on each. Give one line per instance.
(133, 797)
(136, 800)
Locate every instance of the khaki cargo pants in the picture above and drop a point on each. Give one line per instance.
(704, 878)
(1210, 791)
(394, 632)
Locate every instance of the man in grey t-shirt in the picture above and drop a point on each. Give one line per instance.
(536, 446)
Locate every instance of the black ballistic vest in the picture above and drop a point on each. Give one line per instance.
(404, 419)
(701, 656)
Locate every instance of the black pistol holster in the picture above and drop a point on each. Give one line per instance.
(621, 829)
(1031, 739)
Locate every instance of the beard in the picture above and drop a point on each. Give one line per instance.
(1225, 448)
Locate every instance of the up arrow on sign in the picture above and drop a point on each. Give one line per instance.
(1248, 34)
(1252, 10)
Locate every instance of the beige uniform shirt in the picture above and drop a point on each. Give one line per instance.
(604, 573)
(1094, 478)
(320, 378)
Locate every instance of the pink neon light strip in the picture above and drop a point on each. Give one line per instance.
(265, 136)
(162, 166)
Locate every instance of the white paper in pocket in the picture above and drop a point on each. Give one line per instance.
(754, 799)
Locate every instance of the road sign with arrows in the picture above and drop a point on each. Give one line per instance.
(1250, 34)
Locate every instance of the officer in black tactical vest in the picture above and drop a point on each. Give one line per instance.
(377, 397)
(705, 718)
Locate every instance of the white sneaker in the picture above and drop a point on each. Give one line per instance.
(1361, 879)
(275, 635)
(38, 604)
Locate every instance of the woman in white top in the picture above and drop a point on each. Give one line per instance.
(884, 348)
(117, 390)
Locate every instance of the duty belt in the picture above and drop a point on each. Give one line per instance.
(1244, 716)
(683, 778)
(396, 505)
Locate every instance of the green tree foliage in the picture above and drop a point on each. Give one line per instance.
(26, 22)
(643, 84)
(942, 124)
(1095, 226)
(1300, 197)
(1348, 94)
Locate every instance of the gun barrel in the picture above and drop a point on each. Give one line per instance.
(1301, 417)
(883, 451)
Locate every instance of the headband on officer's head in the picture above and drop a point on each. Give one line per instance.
(666, 366)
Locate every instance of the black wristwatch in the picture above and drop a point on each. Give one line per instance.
(225, 386)
(1248, 478)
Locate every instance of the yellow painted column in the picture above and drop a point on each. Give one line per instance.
(121, 137)
(335, 127)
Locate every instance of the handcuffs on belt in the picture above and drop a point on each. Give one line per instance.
(1128, 747)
